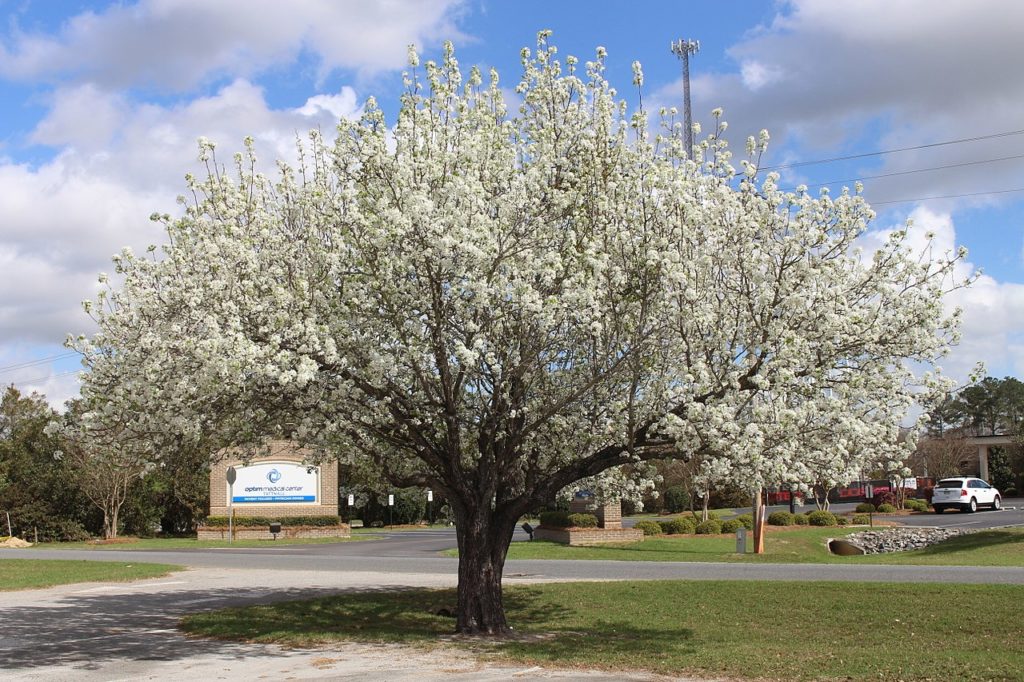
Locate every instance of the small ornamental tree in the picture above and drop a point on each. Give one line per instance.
(496, 306)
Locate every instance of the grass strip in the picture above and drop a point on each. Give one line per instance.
(764, 630)
(1002, 547)
(190, 543)
(27, 574)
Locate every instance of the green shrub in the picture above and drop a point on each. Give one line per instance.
(678, 526)
(555, 519)
(800, 519)
(842, 520)
(746, 520)
(648, 527)
(861, 519)
(865, 508)
(886, 508)
(781, 518)
(582, 521)
(821, 518)
(250, 521)
(731, 526)
(916, 505)
(709, 527)
(676, 499)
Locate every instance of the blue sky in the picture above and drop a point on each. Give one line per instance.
(102, 103)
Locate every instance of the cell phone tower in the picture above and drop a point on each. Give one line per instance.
(683, 49)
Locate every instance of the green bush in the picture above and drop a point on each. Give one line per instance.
(916, 505)
(731, 526)
(781, 518)
(861, 519)
(746, 520)
(842, 521)
(821, 518)
(800, 519)
(555, 519)
(709, 527)
(678, 526)
(864, 508)
(249, 521)
(676, 499)
(582, 521)
(648, 527)
(886, 509)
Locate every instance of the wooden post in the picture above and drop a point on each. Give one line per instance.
(759, 518)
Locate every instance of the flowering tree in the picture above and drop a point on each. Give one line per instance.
(497, 306)
(106, 464)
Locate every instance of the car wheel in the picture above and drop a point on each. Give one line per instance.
(996, 504)
(971, 506)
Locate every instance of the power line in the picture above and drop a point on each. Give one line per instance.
(849, 157)
(40, 361)
(38, 379)
(948, 196)
(909, 172)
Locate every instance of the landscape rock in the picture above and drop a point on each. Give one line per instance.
(901, 539)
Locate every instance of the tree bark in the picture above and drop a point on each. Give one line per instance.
(484, 537)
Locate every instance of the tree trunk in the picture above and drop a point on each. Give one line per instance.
(110, 523)
(483, 537)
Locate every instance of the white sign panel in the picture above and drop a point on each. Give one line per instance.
(274, 482)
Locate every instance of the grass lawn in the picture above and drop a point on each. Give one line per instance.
(187, 543)
(1003, 547)
(26, 574)
(802, 631)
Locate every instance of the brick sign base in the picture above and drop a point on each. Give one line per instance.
(263, 533)
(578, 537)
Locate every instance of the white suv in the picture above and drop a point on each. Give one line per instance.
(965, 493)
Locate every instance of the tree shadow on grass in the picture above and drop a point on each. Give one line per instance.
(544, 629)
(985, 539)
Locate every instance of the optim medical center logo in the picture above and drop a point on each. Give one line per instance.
(276, 482)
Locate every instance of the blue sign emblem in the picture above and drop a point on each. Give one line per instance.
(274, 476)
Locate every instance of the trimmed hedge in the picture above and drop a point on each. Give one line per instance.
(886, 509)
(781, 518)
(731, 526)
(677, 526)
(915, 505)
(746, 520)
(648, 527)
(555, 519)
(709, 527)
(249, 521)
(842, 521)
(582, 521)
(821, 518)
(800, 519)
(864, 508)
(861, 519)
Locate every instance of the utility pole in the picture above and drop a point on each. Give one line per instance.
(683, 49)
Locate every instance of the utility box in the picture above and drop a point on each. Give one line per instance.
(741, 540)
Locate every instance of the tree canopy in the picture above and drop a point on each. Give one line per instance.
(498, 305)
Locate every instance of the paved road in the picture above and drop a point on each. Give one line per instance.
(118, 631)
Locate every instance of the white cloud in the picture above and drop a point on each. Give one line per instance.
(993, 311)
(64, 219)
(756, 75)
(178, 44)
(880, 74)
